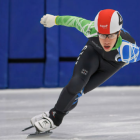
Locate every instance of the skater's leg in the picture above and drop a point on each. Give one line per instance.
(106, 70)
(87, 64)
(74, 104)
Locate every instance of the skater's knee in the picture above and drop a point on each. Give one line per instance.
(75, 85)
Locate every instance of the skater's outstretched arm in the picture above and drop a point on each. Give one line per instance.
(81, 24)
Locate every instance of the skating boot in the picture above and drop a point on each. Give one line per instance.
(38, 117)
(43, 123)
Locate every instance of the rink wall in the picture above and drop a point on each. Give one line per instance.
(32, 56)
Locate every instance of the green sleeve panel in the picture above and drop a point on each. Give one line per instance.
(81, 24)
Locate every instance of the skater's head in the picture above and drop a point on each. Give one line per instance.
(108, 24)
(108, 41)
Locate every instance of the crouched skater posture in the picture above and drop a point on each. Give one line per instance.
(108, 49)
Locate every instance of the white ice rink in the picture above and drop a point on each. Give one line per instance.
(106, 113)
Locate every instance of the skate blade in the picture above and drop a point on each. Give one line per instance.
(28, 128)
(39, 135)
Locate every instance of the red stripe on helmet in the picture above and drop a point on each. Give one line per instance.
(104, 21)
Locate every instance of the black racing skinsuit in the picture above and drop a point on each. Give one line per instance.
(93, 68)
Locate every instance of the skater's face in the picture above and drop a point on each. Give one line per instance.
(108, 41)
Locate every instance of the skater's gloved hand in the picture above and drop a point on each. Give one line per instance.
(48, 20)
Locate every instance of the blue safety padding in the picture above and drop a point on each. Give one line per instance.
(71, 42)
(128, 75)
(26, 75)
(52, 48)
(66, 71)
(26, 32)
(4, 42)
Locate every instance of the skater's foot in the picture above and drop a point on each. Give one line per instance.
(45, 124)
(48, 120)
(38, 117)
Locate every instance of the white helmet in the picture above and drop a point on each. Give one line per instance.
(108, 21)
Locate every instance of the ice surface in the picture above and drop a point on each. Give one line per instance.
(106, 113)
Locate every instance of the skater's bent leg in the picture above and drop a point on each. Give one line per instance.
(66, 99)
(87, 64)
(106, 70)
(73, 106)
(69, 93)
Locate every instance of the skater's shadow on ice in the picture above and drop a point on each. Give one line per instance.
(52, 136)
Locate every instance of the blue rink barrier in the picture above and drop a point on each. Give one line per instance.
(26, 42)
(66, 71)
(26, 75)
(26, 32)
(4, 39)
(48, 50)
(52, 48)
